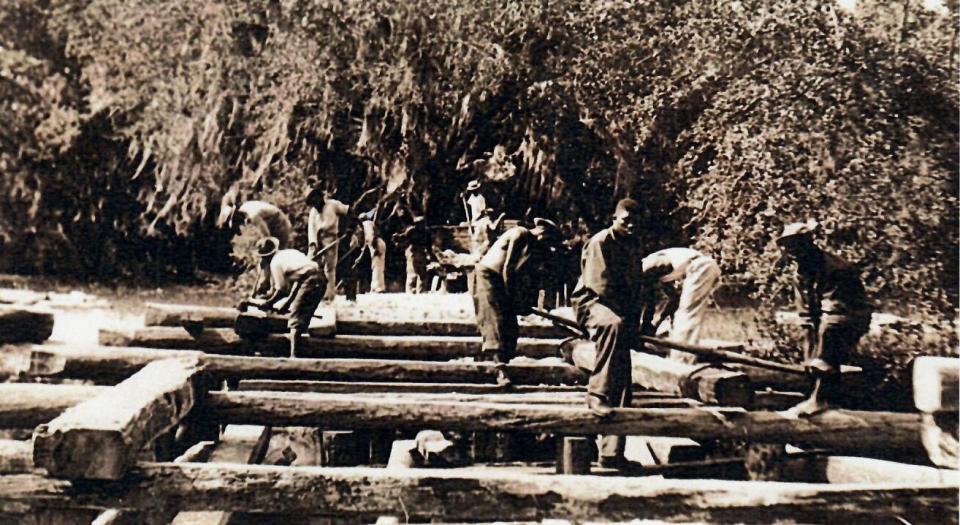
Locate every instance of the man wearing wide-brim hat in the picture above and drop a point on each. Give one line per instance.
(294, 275)
(507, 282)
(835, 303)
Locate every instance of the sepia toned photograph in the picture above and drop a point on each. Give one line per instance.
(548, 262)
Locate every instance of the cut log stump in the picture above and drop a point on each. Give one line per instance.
(100, 438)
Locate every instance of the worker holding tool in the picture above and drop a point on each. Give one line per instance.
(610, 302)
(292, 275)
(835, 303)
(374, 248)
(323, 227)
(698, 276)
(418, 241)
(506, 284)
(270, 220)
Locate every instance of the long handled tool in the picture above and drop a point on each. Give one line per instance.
(726, 354)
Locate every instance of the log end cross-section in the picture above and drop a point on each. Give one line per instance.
(100, 438)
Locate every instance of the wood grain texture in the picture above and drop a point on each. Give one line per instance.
(476, 495)
(100, 438)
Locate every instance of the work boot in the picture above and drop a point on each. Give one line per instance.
(500, 361)
(598, 406)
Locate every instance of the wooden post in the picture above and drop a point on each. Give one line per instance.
(576, 454)
(452, 495)
(100, 438)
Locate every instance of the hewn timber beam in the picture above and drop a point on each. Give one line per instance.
(349, 321)
(100, 438)
(226, 341)
(707, 384)
(426, 495)
(851, 469)
(459, 392)
(104, 363)
(26, 405)
(835, 429)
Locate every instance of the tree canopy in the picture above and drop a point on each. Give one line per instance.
(128, 120)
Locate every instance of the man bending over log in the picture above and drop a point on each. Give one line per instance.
(698, 276)
(610, 300)
(506, 284)
(295, 276)
(837, 309)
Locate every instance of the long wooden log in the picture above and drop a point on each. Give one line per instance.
(426, 495)
(836, 429)
(100, 438)
(24, 325)
(106, 363)
(226, 341)
(26, 405)
(455, 393)
(710, 385)
(350, 321)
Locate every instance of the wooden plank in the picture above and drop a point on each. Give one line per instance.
(936, 384)
(106, 363)
(16, 456)
(226, 341)
(100, 438)
(25, 325)
(239, 444)
(710, 385)
(351, 321)
(836, 429)
(426, 495)
(26, 405)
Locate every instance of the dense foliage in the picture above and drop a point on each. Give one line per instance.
(127, 120)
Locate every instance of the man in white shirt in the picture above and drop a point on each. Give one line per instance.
(291, 274)
(266, 217)
(698, 276)
(323, 228)
(376, 248)
(475, 200)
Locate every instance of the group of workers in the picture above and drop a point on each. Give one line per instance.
(623, 289)
(620, 295)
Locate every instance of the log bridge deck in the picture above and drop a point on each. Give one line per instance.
(92, 445)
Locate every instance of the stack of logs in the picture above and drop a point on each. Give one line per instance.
(153, 435)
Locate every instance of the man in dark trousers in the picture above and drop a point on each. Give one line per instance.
(294, 275)
(418, 241)
(837, 309)
(506, 284)
(610, 302)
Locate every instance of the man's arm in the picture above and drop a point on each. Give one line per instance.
(593, 268)
(277, 291)
(517, 279)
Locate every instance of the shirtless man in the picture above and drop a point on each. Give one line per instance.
(506, 284)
